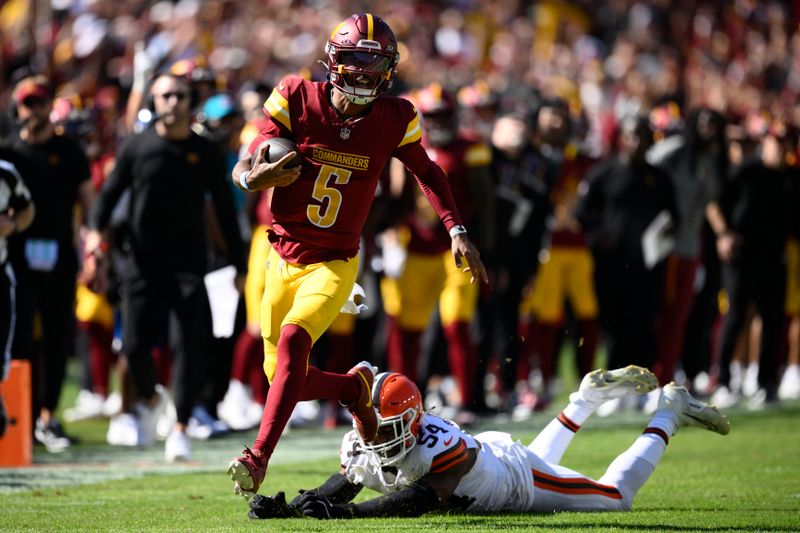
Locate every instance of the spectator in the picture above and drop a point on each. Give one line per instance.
(620, 198)
(698, 167)
(566, 270)
(752, 220)
(522, 181)
(169, 170)
(44, 257)
(419, 271)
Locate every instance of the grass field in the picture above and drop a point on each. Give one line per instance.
(746, 481)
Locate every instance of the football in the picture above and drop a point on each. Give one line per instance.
(278, 147)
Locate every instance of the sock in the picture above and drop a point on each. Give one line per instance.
(548, 346)
(589, 333)
(162, 357)
(100, 355)
(321, 385)
(402, 351)
(245, 352)
(551, 443)
(257, 378)
(579, 409)
(463, 357)
(294, 346)
(340, 353)
(666, 420)
(632, 468)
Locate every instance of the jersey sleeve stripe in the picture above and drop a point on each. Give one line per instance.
(413, 131)
(450, 457)
(450, 464)
(277, 107)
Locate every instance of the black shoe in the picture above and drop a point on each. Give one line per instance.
(51, 435)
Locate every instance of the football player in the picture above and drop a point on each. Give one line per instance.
(421, 462)
(427, 275)
(346, 130)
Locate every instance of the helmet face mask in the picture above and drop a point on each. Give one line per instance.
(362, 57)
(395, 438)
(399, 405)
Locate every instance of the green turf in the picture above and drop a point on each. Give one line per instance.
(746, 481)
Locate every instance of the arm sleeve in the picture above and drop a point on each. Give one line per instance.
(415, 500)
(114, 186)
(338, 489)
(431, 180)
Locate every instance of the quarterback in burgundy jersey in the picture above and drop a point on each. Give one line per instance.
(345, 131)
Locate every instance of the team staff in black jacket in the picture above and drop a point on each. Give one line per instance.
(754, 215)
(169, 170)
(619, 199)
(44, 257)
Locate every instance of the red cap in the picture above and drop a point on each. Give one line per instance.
(31, 88)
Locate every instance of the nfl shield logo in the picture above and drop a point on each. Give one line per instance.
(344, 133)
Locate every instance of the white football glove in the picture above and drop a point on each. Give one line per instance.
(394, 260)
(354, 304)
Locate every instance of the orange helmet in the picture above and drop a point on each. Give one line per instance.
(400, 411)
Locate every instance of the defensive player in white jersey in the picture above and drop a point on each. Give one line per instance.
(421, 462)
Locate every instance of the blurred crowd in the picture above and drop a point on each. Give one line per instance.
(640, 193)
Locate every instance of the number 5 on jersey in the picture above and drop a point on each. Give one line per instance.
(323, 215)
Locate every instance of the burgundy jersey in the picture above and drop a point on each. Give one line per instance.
(427, 235)
(565, 195)
(320, 216)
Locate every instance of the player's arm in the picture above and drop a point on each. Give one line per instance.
(434, 184)
(429, 493)
(256, 173)
(263, 174)
(337, 490)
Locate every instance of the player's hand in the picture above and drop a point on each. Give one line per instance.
(239, 282)
(7, 226)
(271, 507)
(264, 175)
(94, 273)
(728, 245)
(462, 250)
(312, 503)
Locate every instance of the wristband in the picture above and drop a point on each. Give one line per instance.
(457, 230)
(243, 180)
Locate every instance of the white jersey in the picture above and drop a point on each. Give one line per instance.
(500, 480)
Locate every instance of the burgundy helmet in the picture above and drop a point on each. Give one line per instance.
(362, 57)
(438, 108)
